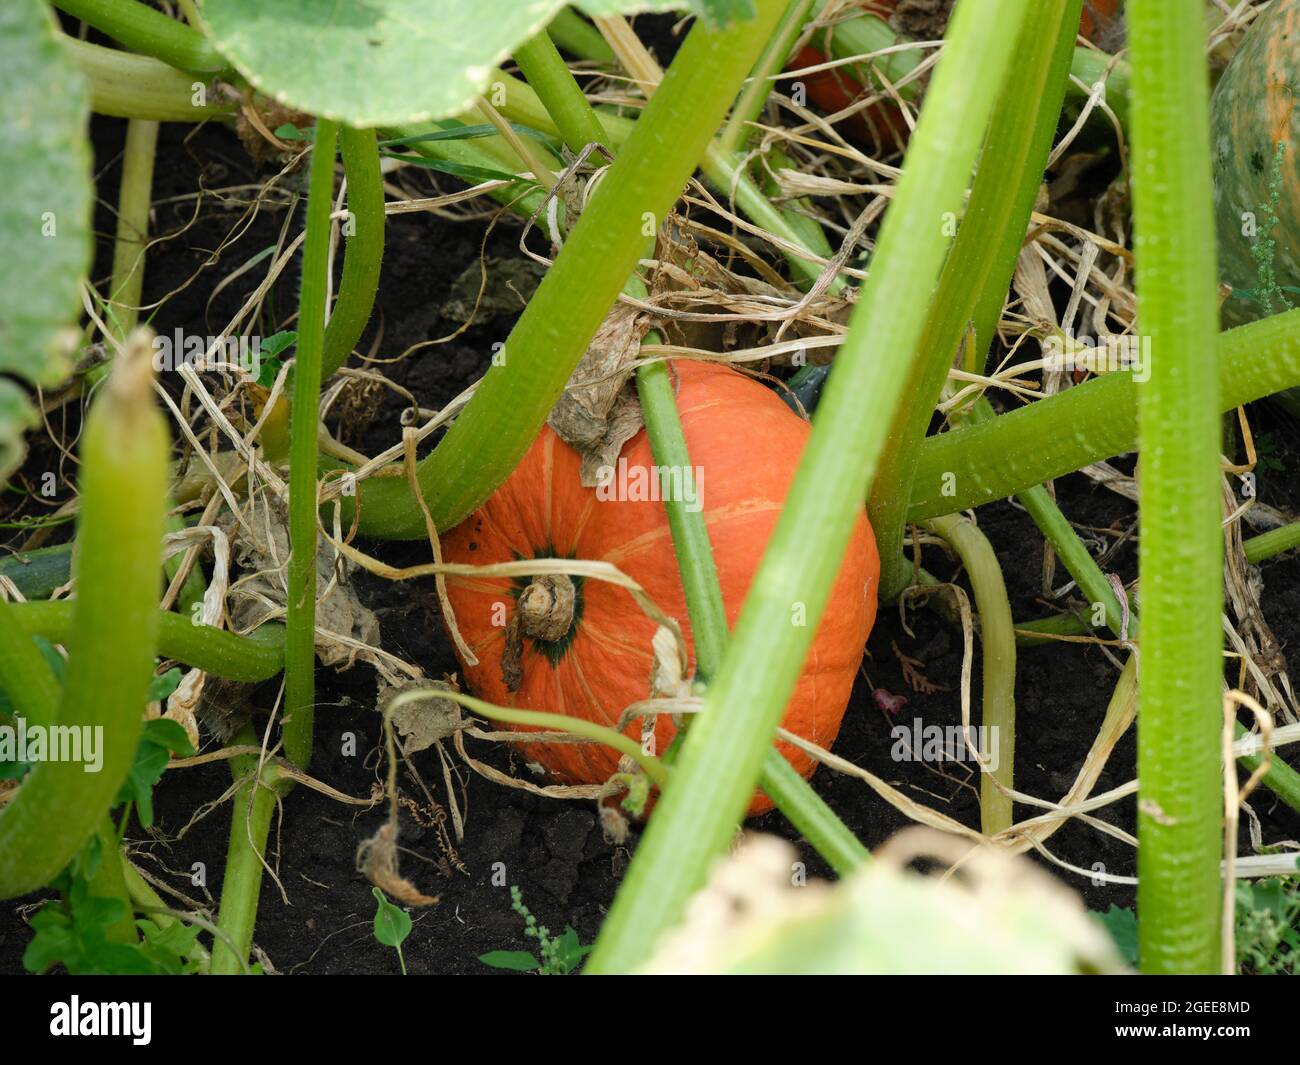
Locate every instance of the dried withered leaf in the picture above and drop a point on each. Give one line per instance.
(613, 825)
(424, 721)
(598, 412)
(377, 858)
(685, 267)
(698, 271)
(339, 610)
(669, 674)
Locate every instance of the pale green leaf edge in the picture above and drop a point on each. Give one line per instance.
(45, 170)
(416, 96)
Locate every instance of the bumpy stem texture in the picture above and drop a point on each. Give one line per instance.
(1180, 558)
(300, 647)
(148, 31)
(1095, 420)
(255, 657)
(124, 452)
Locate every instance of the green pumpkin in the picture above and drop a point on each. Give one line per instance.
(1254, 121)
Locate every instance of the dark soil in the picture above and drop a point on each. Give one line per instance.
(554, 851)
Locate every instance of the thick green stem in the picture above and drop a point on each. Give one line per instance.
(1180, 556)
(690, 533)
(127, 85)
(1274, 542)
(124, 451)
(975, 278)
(1093, 421)
(1281, 779)
(998, 716)
(579, 37)
(39, 572)
(760, 84)
(133, 199)
(364, 250)
(515, 396)
(725, 747)
(258, 656)
(109, 882)
(146, 30)
(25, 677)
(241, 885)
(300, 636)
(544, 68)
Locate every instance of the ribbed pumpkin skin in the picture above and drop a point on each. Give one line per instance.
(748, 444)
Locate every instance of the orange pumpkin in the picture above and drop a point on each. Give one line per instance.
(880, 126)
(589, 654)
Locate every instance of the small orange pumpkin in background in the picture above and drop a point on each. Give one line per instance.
(590, 654)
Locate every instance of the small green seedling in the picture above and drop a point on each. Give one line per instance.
(80, 931)
(392, 925)
(159, 739)
(560, 956)
(1268, 927)
(269, 355)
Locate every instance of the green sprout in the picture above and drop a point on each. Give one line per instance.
(560, 955)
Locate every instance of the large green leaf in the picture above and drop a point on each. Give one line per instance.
(44, 209)
(386, 62)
